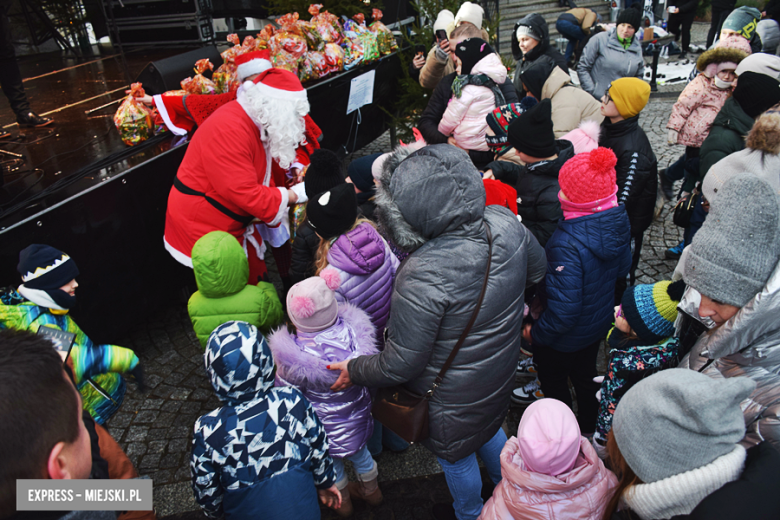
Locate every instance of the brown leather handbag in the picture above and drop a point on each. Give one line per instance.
(406, 413)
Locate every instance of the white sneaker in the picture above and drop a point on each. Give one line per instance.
(526, 366)
(528, 393)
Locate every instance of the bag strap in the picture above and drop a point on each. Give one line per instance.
(451, 358)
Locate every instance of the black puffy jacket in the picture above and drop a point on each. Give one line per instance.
(542, 51)
(637, 170)
(437, 104)
(304, 252)
(537, 190)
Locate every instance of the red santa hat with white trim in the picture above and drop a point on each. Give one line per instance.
(279, 84)
(251, 63)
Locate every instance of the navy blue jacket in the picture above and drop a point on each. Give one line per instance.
(585, 256)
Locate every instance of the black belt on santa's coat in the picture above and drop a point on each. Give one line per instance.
(245, 220)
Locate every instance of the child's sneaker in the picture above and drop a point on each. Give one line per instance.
(674, 253)
(528, 393)
(526, 366)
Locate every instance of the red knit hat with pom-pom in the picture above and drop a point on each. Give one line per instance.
(589, 176)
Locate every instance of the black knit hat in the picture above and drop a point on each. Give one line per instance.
(470, 51)
(45, 269)
(324, 172)
(333, 212)
(536, 75)
(756, 93)
(532, 132)
(631, 16)
(359, 172)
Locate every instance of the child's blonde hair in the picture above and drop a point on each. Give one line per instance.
(321, 259)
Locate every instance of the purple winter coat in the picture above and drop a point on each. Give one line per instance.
(301, 361)
(366, 268)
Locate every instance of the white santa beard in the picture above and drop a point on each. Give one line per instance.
(281, 122)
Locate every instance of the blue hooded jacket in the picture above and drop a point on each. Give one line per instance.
(264, 453)
(585, 257)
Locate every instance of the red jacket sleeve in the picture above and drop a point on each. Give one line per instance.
(173, 113)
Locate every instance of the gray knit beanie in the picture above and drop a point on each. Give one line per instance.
(678, 420)
(736, 250)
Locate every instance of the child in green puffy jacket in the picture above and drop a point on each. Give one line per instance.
(47, 293)
(221, 272)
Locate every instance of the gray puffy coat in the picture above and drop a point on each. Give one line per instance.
(433, 203)
(747, 345)
(604, 60)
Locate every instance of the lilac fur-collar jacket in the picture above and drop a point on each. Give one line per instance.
(366, 267)
(302, 360)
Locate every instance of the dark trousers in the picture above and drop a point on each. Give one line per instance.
(680, 25)
(697, 219)
(636, 251)
(687, 164)
(480, 158)
(10, 77)
(572, 32)
(718, 16)
(555, 370)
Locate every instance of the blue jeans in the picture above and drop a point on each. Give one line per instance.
(572, 32)
(361, 460)
(464, 480)
(384, 437)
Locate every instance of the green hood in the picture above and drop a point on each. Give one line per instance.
(220, 265)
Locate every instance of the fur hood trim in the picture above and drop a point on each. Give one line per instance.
(306, 371)
(765, 134)
(392, 222)
(719, 55)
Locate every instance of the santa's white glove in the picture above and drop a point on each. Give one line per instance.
(671, 137)
(599, 380)
(300, 191)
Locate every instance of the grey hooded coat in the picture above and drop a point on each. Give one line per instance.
(433, 203)
(747, 345)
(604, 60)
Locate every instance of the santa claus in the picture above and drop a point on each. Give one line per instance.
(225, 180)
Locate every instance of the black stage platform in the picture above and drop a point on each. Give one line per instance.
(77, 187)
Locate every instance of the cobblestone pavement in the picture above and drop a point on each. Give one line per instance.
(155, 428)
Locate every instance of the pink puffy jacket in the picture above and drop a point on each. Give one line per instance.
(581, 494)
(465, 116)
(696, 109)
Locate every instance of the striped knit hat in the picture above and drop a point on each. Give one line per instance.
(651, 310)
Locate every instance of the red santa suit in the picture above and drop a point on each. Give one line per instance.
(225, 181)
(180, 114)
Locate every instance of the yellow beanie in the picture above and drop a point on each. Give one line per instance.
(630, 95)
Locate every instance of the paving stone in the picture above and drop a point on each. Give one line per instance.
(171, 406)
(150, 461)
(191, 407)
(165, 419)
(136, 433)
(146, 417)
(170, 460)
(157, 447)
(136, 448)
(120, 419)
(164, 476)
(201, 394)
(180, 393)
(152, 404)
(179, 445)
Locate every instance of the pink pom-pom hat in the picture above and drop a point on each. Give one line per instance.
(311, 305)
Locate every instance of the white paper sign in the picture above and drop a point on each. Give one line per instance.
(361, 91)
